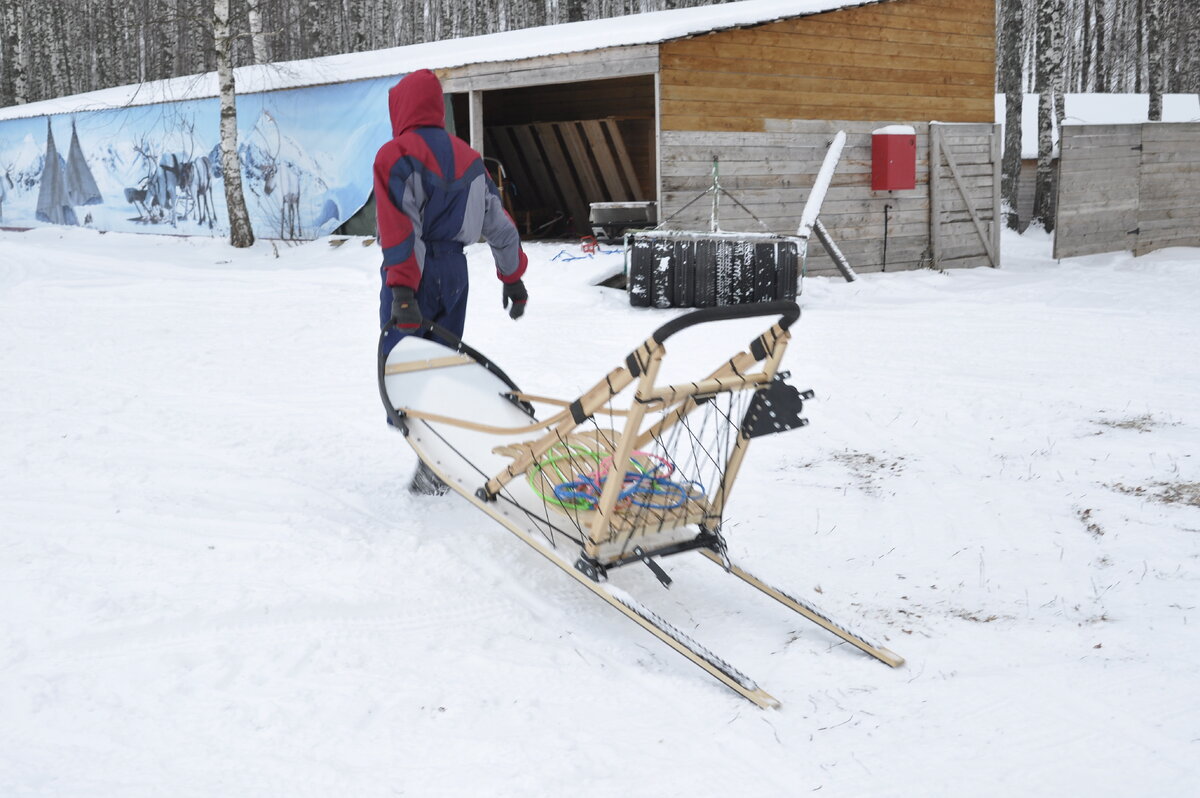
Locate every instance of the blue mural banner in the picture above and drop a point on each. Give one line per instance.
(306, 157)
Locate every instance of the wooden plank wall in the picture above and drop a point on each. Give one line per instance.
(907, 60)
(771, 174)
(1169, 190)
(957, 239)
(1128, 187)
(1097, 189)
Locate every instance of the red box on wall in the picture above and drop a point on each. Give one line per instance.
(894, 158)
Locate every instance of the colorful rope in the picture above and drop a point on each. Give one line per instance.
(648, 487)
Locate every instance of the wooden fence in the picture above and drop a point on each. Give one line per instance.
(1128, 187)
(770, 173)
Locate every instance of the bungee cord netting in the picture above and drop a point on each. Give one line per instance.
(676, 474)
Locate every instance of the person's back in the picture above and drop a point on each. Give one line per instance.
(433, 197)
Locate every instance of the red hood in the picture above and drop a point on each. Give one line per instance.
(416, 101)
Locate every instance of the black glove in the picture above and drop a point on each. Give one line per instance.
(405, 312)
(515, 292)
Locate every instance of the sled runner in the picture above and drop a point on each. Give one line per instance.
(627, 472)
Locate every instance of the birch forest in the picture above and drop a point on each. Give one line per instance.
(52, 48)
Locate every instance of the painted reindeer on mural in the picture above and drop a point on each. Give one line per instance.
(174, 185)
(192, 177)
(281, 175)
(152, 197)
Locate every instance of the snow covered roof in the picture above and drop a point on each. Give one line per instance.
(572, 37)
(1100, 109)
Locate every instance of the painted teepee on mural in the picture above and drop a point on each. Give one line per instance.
(81, 185)
(53, 204)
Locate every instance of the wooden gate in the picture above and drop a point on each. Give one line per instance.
(1128, 187)
(964, 189)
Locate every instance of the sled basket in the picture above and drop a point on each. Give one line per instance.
(627, 468)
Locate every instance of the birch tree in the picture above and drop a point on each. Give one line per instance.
(1154, 56)
(11, 75)
(258, 39)
(1048, 59)
(1011, 84)
(240, 232)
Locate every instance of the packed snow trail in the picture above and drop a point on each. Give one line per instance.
(215, 581)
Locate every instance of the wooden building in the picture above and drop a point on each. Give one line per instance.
(763, 96)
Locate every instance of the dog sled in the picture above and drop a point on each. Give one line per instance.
(627, 473)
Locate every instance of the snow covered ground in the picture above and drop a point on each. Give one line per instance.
(215, 584)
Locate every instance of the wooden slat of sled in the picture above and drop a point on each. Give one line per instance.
(422, 365)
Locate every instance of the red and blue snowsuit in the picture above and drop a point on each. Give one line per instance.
(433, 197)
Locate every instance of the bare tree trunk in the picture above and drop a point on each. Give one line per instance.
(1010, 82)
(258, 40)
(1047, 80)
(166, 41)
(240, 232)
(11, 52)
(1154, 53)
(356, 13)
(310, 25)
(1085, 65)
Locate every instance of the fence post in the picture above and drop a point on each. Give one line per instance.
(935, 168)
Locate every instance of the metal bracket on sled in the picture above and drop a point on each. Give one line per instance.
(775, 408)
(525, 407)
(591, 568)
(654, 567)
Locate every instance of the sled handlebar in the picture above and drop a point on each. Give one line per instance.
(787, 310)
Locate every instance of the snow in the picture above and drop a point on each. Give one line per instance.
(648, 28)
(1098, 109)
(895, 130)
(215, 583)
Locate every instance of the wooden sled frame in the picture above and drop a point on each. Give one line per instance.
(609, 534)
(674, 402)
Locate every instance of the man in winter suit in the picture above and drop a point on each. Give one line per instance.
(433, 197)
